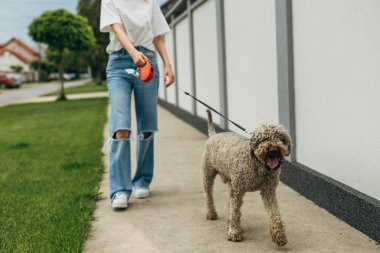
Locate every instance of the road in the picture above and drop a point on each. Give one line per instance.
(11, 96)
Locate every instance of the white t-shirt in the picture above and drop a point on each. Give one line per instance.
(142, 21)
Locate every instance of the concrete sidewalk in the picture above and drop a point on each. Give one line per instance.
(173, 219)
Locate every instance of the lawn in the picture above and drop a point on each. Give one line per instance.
(50, 168)
(88, 87)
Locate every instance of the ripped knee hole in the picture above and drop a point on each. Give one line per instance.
(121, 134)
(146, 135)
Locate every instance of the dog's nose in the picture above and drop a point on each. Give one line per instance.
(274, 153)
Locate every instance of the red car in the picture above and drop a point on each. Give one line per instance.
(53, 77)
(8, 82)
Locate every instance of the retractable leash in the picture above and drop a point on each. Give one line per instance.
(212, 109)
(145, 74)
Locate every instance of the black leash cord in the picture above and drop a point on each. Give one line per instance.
(212, 109)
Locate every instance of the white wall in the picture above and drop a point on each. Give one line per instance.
(337, 85)
(183, 62)
(337, 78)
(170, 92)
(206, 58)
(250, 33)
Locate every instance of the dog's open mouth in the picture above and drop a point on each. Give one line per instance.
(274, 163)
(273, 160)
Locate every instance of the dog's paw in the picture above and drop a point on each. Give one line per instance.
(234, 235)
(280, 239)
(278, 235)
(212, 216)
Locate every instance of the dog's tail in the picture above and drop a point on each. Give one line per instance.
(211, 128)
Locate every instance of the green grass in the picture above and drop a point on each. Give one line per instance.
(50, 169)
(88, 87)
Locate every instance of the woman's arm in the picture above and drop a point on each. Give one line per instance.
(168, 72)
(122, 37)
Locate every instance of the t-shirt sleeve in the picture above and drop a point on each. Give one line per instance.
(159, 24)
(108, 15)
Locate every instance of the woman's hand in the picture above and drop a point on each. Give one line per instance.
(138, 58)
(168, 75)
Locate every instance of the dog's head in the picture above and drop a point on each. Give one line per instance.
(270, 143)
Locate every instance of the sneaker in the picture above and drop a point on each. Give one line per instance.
(120, 200)
(141, 193)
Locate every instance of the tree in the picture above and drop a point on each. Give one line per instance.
(62, 30)
(74, 62)
(17, 68)
(45, 66)
(91, 10)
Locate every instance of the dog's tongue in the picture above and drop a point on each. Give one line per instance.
(272, 163)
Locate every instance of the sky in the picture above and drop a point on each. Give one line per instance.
(16, 15)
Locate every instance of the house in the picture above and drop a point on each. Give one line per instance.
(16, 52)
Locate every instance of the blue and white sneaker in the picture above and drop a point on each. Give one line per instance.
(141, 192)
(119, 200)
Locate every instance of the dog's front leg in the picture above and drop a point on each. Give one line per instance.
(277, 229)
(233, 228)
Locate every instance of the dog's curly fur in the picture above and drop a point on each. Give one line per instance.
(246, 165)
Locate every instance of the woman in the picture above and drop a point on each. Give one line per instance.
(135, 28)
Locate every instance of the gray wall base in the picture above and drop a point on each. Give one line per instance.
(358, 210)
(355, 208)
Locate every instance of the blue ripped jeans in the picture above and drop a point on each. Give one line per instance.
(120, 87)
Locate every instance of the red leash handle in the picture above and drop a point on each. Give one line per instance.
(146, 71)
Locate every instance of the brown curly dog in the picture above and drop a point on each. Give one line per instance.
(246, 165)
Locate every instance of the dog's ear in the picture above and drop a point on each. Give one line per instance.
(285, 138)
(257, 137)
